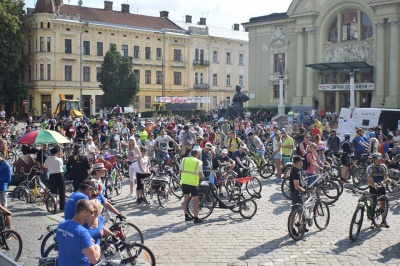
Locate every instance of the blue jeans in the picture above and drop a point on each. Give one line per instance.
(311, 179)
(162, 155)
(45, 175)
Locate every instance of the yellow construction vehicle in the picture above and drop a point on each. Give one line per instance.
(68, 108)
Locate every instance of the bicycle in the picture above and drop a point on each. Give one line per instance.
(10, 241)
(302, 216)
(156, 184)
(112, 182)
(369, 203)
(266, 170)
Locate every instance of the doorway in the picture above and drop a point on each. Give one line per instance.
(330, 101)
(365, 99)
(344, 99)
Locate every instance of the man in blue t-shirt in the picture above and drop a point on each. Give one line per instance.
(361, 143)
(75, 246)
(86, 191)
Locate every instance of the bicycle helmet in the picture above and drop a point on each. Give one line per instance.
(320, 148)
(377, 156)
(98, 187)
(199, 138)
(346, 135)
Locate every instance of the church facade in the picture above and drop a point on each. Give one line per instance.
(317, 45)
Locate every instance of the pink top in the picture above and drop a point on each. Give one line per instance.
(310, 159)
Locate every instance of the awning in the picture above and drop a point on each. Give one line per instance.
(340, 66)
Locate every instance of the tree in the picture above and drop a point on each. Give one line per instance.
(118, 81)
(11, 21)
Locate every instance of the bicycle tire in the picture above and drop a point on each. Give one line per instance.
(360, 179)
(12, 245)
(176, 188)
(377, 213)
(285, 188)
(247, 205)
(354, 232)
(339, 184)
(118, 185)
(232, 187)
(206, 206)
(108, 187)
(321, 209)
(142, 255)
(163, 197)
(45, 245)
(51, 204)
(24, 195)
(130, 231)
(253, 187)
(124, 168)
(334, 171)
(52, 252)
(267, 170)
(16, 191)
(296, 229)
(147, 195)
(330, 192)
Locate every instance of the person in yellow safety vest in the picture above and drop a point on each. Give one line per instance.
(191, 172)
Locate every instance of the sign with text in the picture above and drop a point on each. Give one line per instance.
(182, 99)
(346, 87)
(25, 102)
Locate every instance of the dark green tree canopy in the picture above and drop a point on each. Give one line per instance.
(118, 81)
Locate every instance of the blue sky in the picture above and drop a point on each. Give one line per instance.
(222, 13)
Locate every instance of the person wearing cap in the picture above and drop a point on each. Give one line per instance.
(294, 181)
(321, 159)
(143, 134)
(77, 167)
(379, 135)
(86, 190)
(188, 139)
(191, 172)
(54, 165)
(242, 160)
(360, 145)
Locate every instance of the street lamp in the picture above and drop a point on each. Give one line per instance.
(81, 63)
(352, 72)
(281, 106)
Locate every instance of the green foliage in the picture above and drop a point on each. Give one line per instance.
(118, 81)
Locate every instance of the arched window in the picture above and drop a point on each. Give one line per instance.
(366, 27)
(41, 25)
(333, 31)
(351, 23)
(48, 25)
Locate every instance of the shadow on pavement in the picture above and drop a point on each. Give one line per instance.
(344, 244)
(392, 252)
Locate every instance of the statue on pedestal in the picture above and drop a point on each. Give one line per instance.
(235, 109)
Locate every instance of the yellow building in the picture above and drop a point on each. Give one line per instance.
(65, 46)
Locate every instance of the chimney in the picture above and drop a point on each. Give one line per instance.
(108, 5)
(30, 11)
(124, 8)
(164, 14)
(202, 21)
(235, 26)
(188, 19)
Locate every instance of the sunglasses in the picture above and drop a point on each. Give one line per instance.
(307, 137)
(91, 212)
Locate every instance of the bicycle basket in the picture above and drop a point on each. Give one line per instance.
(205, 187)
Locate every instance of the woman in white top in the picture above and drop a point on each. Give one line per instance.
(143, 171)
(54, 165)
(133, 155)
(150, 145)
(91, 149)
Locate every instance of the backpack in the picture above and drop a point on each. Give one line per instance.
(306, 165)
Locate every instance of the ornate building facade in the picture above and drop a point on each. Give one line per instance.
(318, 45)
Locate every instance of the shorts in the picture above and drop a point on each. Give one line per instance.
(188, 189)
(162, 155)
(278, 156)
(346, 159)
(3, 198)
(132, 174)
(296, 199)
(358, 155)
(378, 192)
(285, 158)
(260, 152)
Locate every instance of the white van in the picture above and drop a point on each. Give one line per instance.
(366, 118)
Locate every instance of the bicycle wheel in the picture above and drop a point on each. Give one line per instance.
(328, 192)
(48, 240)
(11, 244)
(206, 206)
(296, 224)
(15, 192)
(147, 195)
(379, 214)
(321, 215)
(117, 185)
(137, 254)
(130, 231)
(339, 184)
(232, 187)
(248, 208)
(392, 186)
(267, 170)
(356, 222)
(360, 179)
(52, 252)
(334, 171)
(176, 188)
(163, 197)
(285, 188)
(51, 204)
(124, 168)
(253, 187)
(109, 187)
(24, 195)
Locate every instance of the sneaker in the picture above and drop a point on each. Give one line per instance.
(385, 224)
(198, 221)
(372, 226)
(129, 196)
(138, 201)
(188, 218)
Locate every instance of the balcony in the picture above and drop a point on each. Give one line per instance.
(205, 63)
(201, 86)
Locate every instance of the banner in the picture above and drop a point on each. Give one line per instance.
(182, 99)
(346, 87)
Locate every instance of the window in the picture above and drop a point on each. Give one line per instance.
(147, 101)
(199, 55)
(137, 73)
(147, 76)
(177, 78)
(228, 57)
(48, 72)
(159, 53)
(350, 25)
(136, 103)
(136, 52)
(158, 77)
(41, 71)
(41, 44)
(86, 74)
(147, 52)
(215, 101)
(228, 80)
(177, 55)
(276, 92)
(241, 80)
(366, 27)
(241, 60)
(68, 73)
(98, 71)
(215, 56)
(48, 44)
(201, 78)
(333, 31)
(215, 79)
(86, 47)
(29, 47)
(41, 24)
(29, 73)
(99, 48)
(68, 46)
(48, 25)
(124, 50)
(279, 63)
(196, 78)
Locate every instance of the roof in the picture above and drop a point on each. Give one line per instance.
(217, 31)
(340, 65)
(273, 16)
(44, 6)
(111, 17)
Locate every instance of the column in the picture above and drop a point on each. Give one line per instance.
(394, 56)
(380, 61)
(310, 60)
(352, 103)
(300, 63)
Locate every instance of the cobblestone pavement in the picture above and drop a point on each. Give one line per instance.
(226, 238)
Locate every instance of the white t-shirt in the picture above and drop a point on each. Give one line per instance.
(54, 165)
(312, 112)
(2, 113)
(163, 142)
(275, 144)
(150, 144)
(90, 149)
(144, 160)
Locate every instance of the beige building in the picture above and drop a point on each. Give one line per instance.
(65, 47)
(318, 46)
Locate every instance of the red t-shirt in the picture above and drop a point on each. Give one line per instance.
(211, 137)
(314, 131)
(69, 131)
